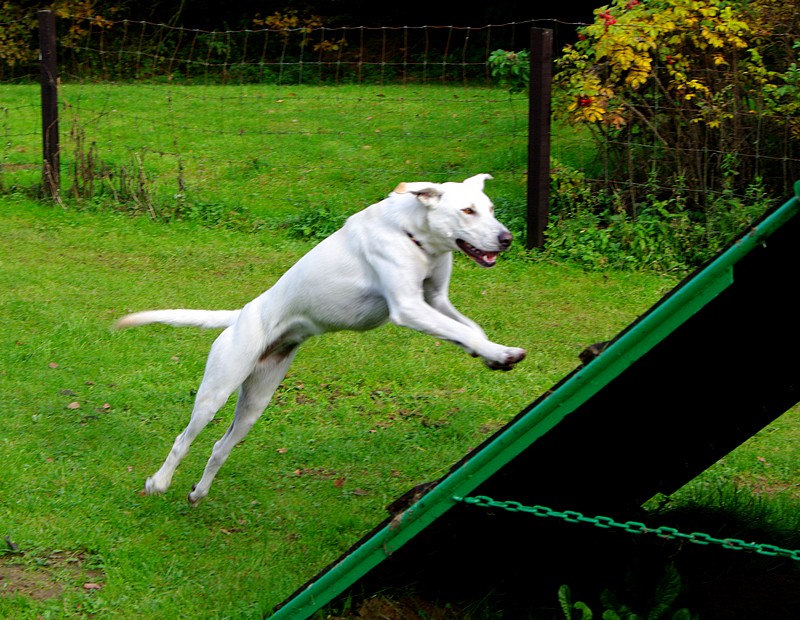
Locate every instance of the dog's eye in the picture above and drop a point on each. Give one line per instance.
(468, 211)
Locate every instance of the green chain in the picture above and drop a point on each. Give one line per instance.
(634, 527)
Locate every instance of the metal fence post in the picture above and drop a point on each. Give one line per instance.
(51, 173)
(539, 135)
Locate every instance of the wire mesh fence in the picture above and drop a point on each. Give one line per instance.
(267, 120)
(279, 117)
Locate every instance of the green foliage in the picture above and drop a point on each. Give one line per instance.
(513, 69)
(217, 215)
(660, 606)
(314, 224)
(572, 611)
(666, 592)
(593, 228)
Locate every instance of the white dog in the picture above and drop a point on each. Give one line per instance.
(391, 261)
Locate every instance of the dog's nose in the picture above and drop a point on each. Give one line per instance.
(504, 238)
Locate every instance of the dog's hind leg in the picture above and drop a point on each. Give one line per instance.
(229, 364)
(254, 395)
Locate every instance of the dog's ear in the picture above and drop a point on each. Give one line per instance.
(428, 194)
(477, 180)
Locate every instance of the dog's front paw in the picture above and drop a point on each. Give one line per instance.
(507, 360)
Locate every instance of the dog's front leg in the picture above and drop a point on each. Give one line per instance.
(443, 305)
(436, 293)
(421, 317)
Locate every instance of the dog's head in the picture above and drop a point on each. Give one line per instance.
(461, 216)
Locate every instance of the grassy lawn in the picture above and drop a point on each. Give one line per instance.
(88, 413)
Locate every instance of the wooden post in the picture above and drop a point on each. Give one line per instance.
(51, 173)
(539, 135)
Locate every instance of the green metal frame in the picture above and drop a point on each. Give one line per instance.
(683, 302)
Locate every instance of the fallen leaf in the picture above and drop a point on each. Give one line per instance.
(282, 450)
(92, 586)
(53, 365)
(339, 483)
(74, 405)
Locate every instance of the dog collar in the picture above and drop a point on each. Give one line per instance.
(416, 242)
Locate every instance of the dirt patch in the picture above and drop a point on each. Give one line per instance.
(47, 576)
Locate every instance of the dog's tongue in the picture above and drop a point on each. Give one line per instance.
(490, 258)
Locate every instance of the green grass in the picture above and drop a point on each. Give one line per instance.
(88, 413)
(360, 418)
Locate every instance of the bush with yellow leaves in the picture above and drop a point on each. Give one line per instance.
(706, 92)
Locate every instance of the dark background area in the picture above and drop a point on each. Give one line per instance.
(211, 14)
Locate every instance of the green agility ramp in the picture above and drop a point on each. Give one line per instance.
(704, 369)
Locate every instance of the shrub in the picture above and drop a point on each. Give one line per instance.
(705, 91)
(513, 69)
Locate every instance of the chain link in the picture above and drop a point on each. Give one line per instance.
(633, 527)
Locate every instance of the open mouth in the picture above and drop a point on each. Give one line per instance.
(483, 258)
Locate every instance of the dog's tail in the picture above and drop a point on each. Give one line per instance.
(208, 319)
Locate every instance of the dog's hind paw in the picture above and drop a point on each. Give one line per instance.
(194, 498)
(151, 487)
